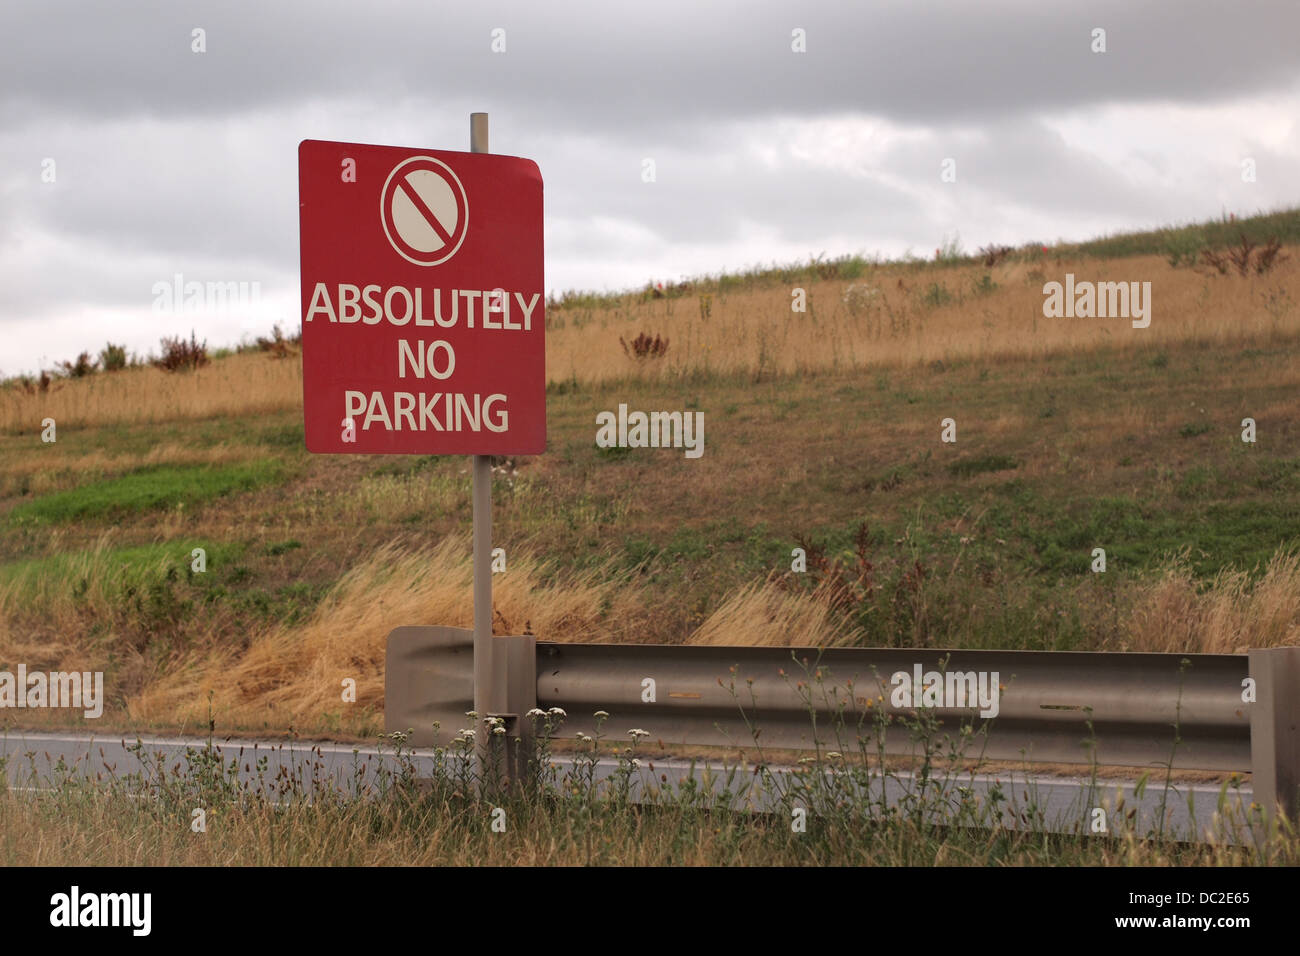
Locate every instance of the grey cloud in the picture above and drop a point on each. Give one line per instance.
(171, 161)
(625, 66)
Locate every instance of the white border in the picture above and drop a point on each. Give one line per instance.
(383, 217)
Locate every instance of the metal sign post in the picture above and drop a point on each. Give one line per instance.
(505, 671)
(485, 700)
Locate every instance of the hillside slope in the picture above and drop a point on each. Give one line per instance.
(823, 432)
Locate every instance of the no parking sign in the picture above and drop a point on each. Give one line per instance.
(423, 303)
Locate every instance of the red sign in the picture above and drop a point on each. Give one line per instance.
(423, 305)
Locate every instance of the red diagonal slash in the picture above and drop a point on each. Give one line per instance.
(424, 210)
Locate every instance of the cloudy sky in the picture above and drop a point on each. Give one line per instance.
(166, 160)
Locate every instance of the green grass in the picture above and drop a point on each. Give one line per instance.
(281, 432)
(1180, 244)
(981, 465)
(1184, 242)
(288, 436)
(1001, 554)
(283, 547)
(613, 453)
(135, 566)
(148, 489)
(1141, 533)
(153, 593)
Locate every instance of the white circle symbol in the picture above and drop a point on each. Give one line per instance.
(424, 210)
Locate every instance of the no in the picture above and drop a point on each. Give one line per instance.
(421, 357)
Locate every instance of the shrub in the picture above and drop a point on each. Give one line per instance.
(643, 347)
(884, 606)
(993, 254)
(179, 355)
(1182, 249)
(30, 386)
(950, 250)
(83, 366)
(113, 357)
(936, 295)
(1268, 256)
(1239, 257)
(823, 268)
(277, 344)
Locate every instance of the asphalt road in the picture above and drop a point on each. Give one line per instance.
(44, 761)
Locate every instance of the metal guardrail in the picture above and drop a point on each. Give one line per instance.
(1117, 709)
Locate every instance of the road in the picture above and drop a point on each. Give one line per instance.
(47, 760)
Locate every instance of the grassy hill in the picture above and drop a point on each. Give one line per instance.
(823, 432)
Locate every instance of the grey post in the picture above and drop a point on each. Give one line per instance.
(485, 701)
(505, 668)
(1275, 730)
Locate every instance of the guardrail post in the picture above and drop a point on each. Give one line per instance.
(514, 662)
(1275, 730)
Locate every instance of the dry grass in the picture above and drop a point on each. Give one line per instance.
(68, 617)
(1229, 616)
(293, 675)
(1167, 611)
(244, 384)
(397, 497)
(755, 332)
(290, 676)
(112, 830)
(766, 615)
